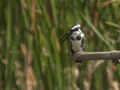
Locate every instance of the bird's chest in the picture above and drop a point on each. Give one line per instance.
(76, 46)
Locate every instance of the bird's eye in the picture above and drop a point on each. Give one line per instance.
(76, 29)
(78, 37)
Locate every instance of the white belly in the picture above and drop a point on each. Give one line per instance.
(76, 46)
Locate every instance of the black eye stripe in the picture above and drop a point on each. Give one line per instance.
(76, 29)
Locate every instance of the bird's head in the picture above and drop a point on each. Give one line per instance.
(74, 33)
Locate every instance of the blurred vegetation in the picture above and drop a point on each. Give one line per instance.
(32, 57)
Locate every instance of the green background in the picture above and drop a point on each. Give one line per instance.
(32, 56)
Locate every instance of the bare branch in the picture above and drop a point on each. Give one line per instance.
(108, 55)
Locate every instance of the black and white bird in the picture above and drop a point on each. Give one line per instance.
(76, 39)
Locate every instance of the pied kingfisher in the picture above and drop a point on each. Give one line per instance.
(76, 39)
